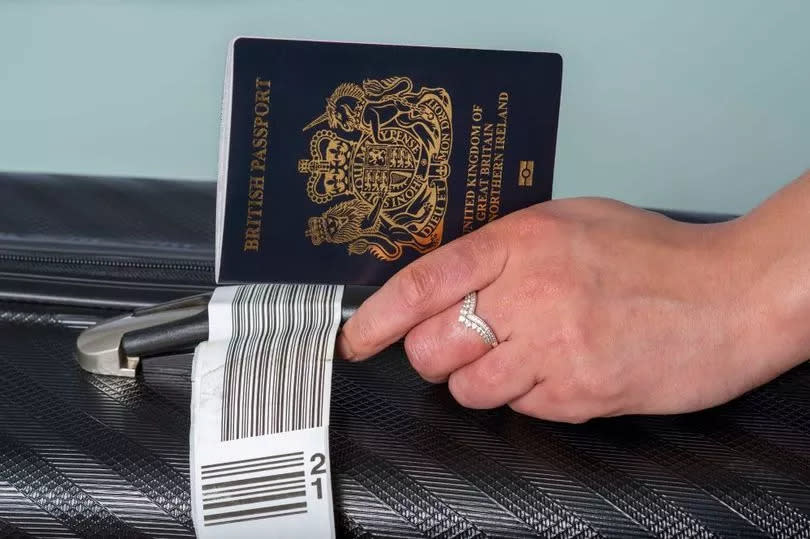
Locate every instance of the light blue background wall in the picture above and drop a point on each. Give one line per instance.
(685, 104)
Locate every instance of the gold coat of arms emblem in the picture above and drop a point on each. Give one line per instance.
(382, 164)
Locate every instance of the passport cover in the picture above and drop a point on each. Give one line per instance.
(342, 162)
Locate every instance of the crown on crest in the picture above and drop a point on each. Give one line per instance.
(330, 155)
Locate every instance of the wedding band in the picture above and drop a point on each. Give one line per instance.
(472, 321)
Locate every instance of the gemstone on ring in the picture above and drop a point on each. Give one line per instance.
(470, 320)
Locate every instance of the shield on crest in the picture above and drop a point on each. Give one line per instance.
(382, 169)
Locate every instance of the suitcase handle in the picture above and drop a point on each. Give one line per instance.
(116, 346)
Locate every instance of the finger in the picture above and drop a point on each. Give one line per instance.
(543, 402)
(505, 373)
(441, 344)
(422, 289)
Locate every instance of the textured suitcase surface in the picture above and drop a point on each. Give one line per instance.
(86, 455)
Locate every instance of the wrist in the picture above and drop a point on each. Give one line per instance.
(767, 265)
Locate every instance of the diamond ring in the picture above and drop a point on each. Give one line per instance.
(472, 321)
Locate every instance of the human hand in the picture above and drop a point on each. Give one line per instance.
(600, 308)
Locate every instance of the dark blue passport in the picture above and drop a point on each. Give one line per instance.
(341, 163)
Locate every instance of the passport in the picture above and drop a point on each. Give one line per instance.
(341, 163)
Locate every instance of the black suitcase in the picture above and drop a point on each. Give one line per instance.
(90, 456)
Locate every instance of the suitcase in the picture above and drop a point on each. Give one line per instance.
(93, 456)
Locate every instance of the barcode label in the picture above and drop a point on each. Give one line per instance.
(252, 489)
(260, 412)
(274, 370)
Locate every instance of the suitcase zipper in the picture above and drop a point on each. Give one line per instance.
(161, 264)
(105, 280)
(29, 318)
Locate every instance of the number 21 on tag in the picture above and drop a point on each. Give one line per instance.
(318, 461)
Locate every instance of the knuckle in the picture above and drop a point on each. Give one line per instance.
(537, 221)
(521, 406)
(560, 396)
(559, 403)
(557, 279)
(585, 386)
(609, 388)
(461, 390)
(586, 393)
(593, 385)
(568, 342)
(422, 355)
(484, 243)
(418, 282)
(545, 284)
(361, 335)
(487, 376)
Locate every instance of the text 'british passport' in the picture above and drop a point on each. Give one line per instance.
(342, 162)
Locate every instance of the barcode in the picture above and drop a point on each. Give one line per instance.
(274, 368)
(254, 489)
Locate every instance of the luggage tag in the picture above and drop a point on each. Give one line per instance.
(260, 398)
(260, 412)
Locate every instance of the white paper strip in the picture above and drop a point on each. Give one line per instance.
(260, 412)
